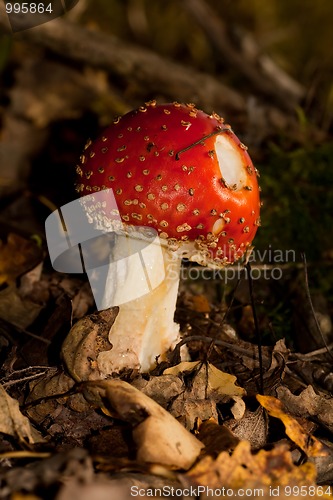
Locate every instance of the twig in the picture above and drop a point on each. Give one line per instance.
(202, 338)
(261, 72)
(150, 71)
(201, 141)
(257, 329)
(308, 295)
(73, 390)
(226, 314)
(313, 355)
(133, 63)
(23, 375)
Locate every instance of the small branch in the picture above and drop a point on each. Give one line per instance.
(264, 75)
(249, 352)
(201, 141)
(308, 295)
(133, 63)
(153, 74)
(313, 355)
(24, 374)
(257, 329)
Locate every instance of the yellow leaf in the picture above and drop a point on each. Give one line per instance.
(260, 472)
(217, 381)
(223, 383)
(184, 366)
(309, 444)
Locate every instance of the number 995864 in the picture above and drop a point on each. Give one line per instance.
(28, 8)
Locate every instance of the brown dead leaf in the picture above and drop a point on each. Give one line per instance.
(253, 427)
(86, 339)
(308, 404)
(206, 385)
(170, 392)
(79, 293)
(216, 438)
(184, 366)
(163, 390)
(159, 437)
(23, 496)
(17, 256)
(187, 411)
(51, 384)
(17, 310)
(242, 469)
(324, 465)
(30, 279)
(12, 422)
(309, 444)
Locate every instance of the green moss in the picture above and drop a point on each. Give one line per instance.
(298, 200)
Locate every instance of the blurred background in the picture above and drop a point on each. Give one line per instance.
(266, 67)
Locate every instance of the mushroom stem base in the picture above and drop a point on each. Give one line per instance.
(144, 327)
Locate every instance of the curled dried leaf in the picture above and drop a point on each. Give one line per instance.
(159, 437)
(86, 339)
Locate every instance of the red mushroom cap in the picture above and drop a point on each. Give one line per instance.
(183, 172)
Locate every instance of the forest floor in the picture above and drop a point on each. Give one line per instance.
(251, 413)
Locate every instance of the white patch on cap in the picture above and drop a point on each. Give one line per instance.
(218, 226)
(230, 162)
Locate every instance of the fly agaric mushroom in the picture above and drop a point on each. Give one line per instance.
(184, 173)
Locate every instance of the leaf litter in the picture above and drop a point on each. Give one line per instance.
(194, 423)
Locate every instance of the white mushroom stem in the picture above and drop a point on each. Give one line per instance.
(144, 327)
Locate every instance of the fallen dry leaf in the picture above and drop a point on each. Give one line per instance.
(211, 379)
(309, 444)
(204, 386)
(158, 436)
(18, 310)
(238, 408)
(189, 411)
(216, 438)
(86, 339)
(170, 392)
(260, 472)
(17, 256)
(223, 383)
(12, 422)
(163, 390)
(51, 384)
(253, 427)
(324, 465)
(308, 404)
